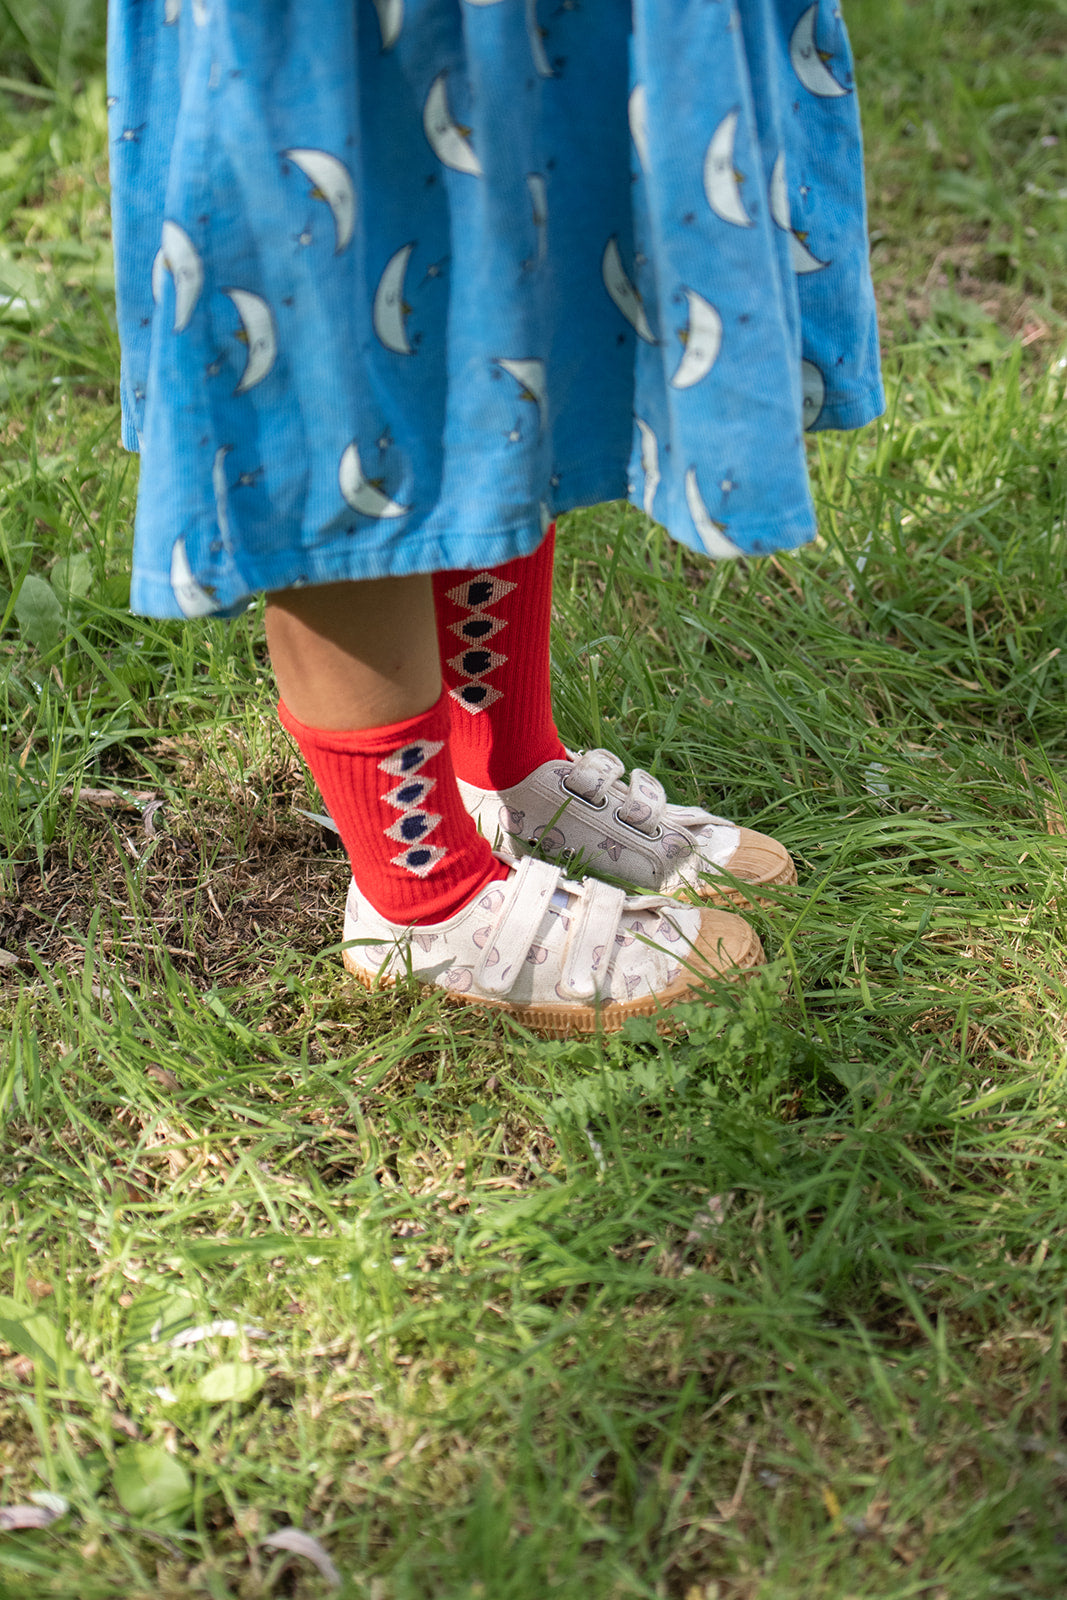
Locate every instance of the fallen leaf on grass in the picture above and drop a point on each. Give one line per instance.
(302, 1544)
(15, 1517)
(224, 1328)
(165, 1076)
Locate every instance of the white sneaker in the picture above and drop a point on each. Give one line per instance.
(580, 813)
(559, 956)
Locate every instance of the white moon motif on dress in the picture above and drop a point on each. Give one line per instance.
(222, 496)
(712, 534)
(449, 141)
(390, 21)
(182, 260)
(193, 599)
(623, 292)
(330, 182)
(535, 182)
(172, 10)
(637, 111)
(800, 257)
(390, 307)
(362, 493)
(649, 464)
(200, 13)
(720, 179)
(541, 62)
(529, 373)
(257, 332)
(809, 63)
(159, 272)
(813, 388)
(702, 339)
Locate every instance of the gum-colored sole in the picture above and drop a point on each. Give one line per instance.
(760, 862)
(726, 947)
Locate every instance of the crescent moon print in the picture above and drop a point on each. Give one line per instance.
(649, 464)
(702, 338)
(542, 64)
(530, 376)
(637, 111)
(449, 141)
(623, 292)
(800, 257)
(539, 201)
(809, 63)
(159, 272)
(257, 333)
(813, 388)
(200, 13)
(182, 260)
(721, 181)
(390, 21)
(712, 533)
(222, 496)
(172, 10)
(330, 182)
(390, 307)
(193, 599)
(362, 493)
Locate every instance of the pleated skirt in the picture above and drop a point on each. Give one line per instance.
(401, 280)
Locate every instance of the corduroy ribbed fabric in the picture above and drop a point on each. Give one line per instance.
(416, 855)
(493, 630)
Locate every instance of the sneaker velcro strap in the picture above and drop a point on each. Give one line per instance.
(590, 947)
(517, 926)
(592, 774)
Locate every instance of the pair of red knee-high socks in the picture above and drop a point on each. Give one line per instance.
(415, 852)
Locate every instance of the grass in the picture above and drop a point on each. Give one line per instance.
(767, 1309)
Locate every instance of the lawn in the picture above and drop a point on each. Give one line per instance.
(767, 1307)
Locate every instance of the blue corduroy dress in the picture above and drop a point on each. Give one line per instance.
(400, 280)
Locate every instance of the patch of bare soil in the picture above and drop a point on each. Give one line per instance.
(211, 892)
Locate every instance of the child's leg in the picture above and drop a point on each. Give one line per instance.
(360, 681)
(517, 779)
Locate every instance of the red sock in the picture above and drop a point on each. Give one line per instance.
(416, 854)
(497, 676)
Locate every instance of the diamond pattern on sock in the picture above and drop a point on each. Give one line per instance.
(414, 825)
(474, 596)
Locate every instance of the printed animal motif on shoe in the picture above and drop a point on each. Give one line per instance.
(492, 901)
(537, 955)
(668, 931)
(481, 936)
(633, 983)
(611, 848)
(511, 821)
(675, 844)
(458, 979)
(635, 814)
(551, 840)
(623, 938)
(425, 941)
